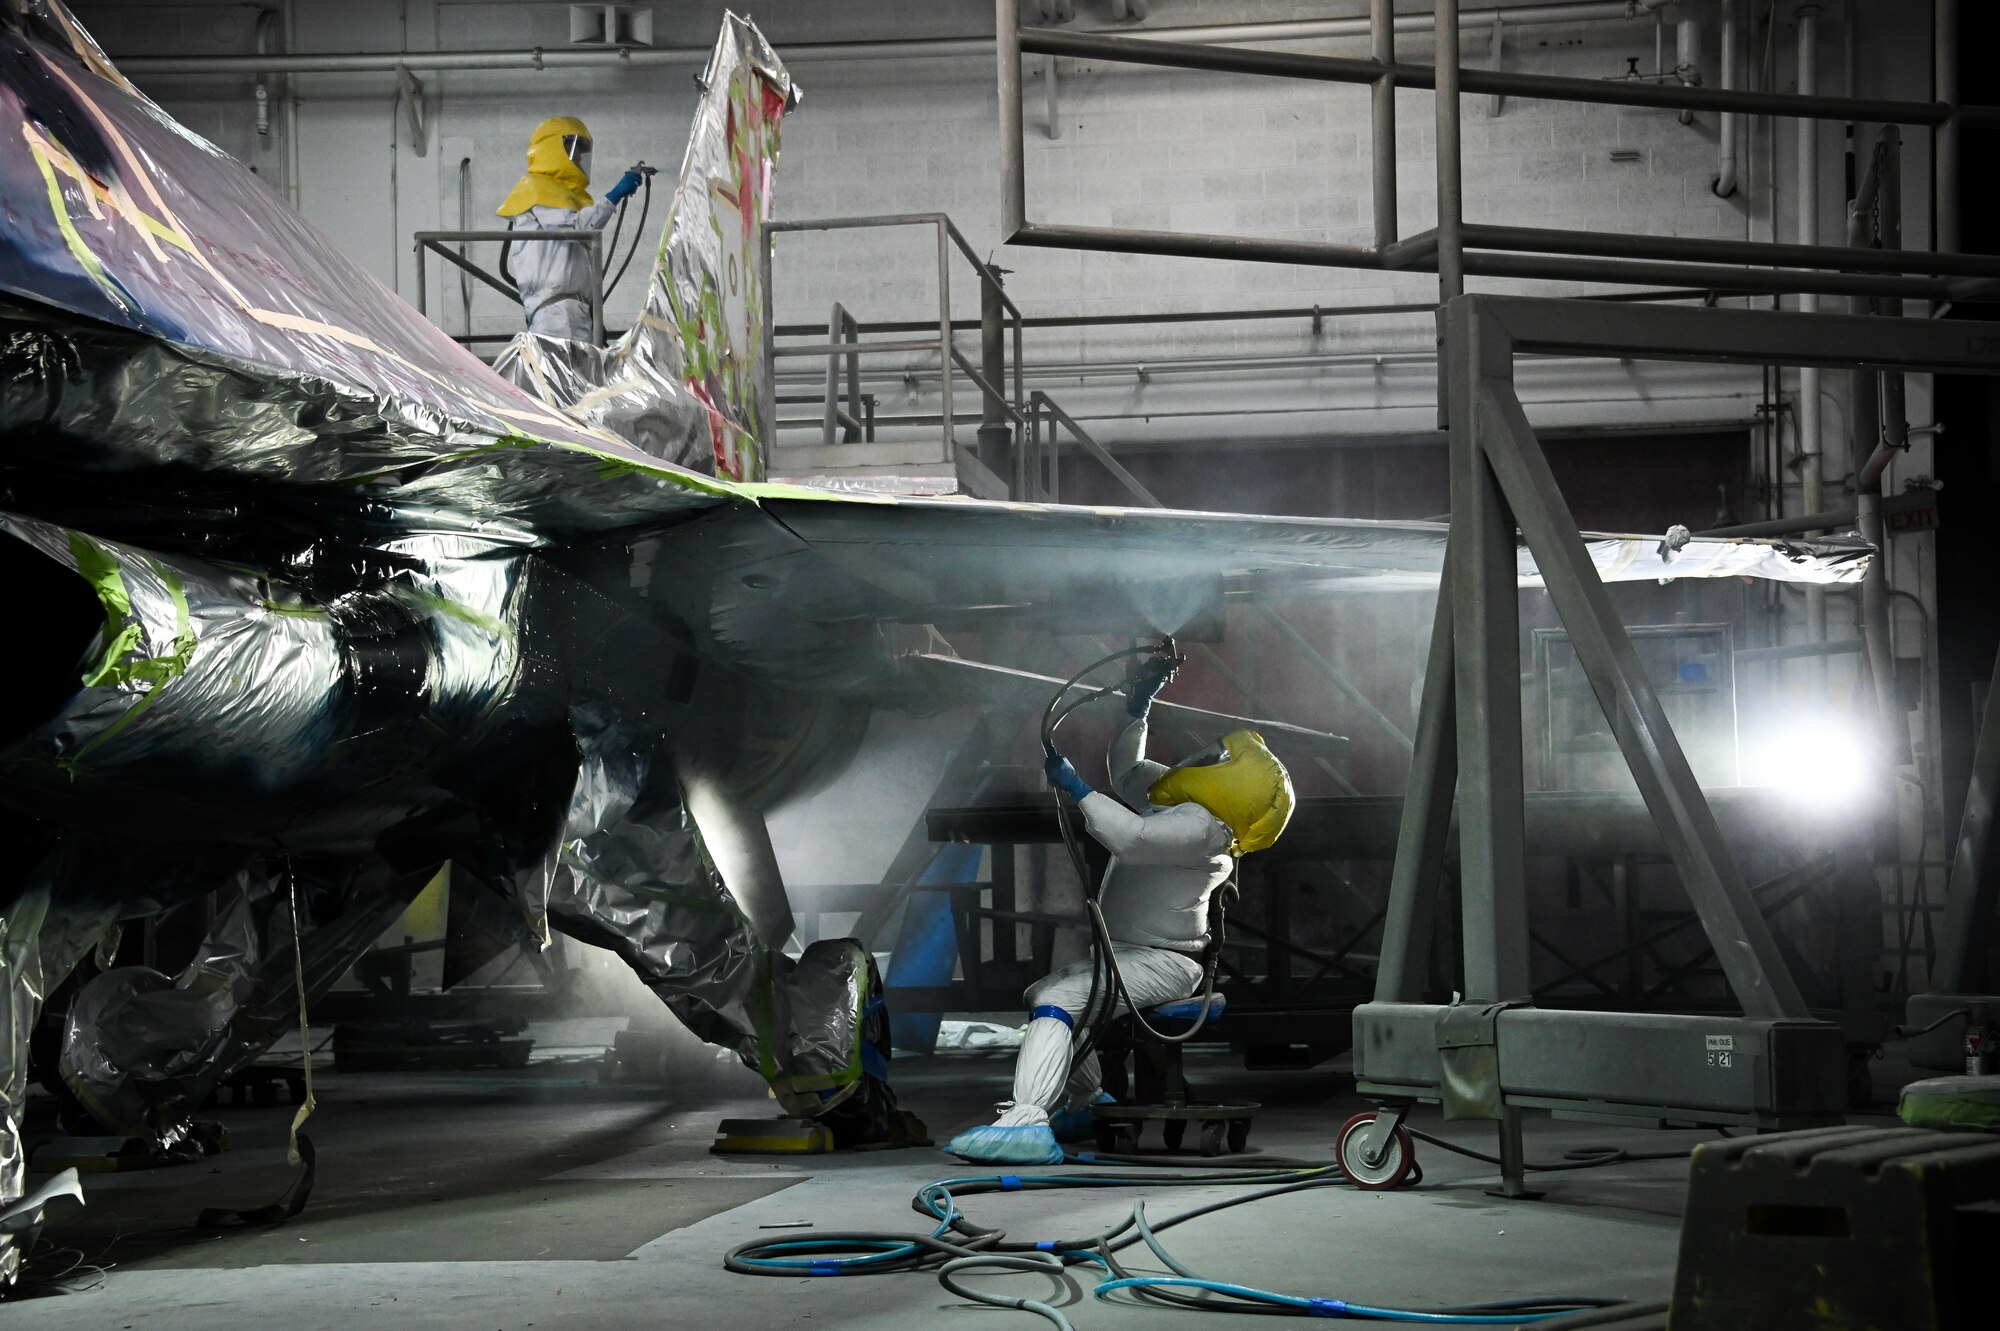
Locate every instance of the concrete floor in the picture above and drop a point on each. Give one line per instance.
(504, 1201)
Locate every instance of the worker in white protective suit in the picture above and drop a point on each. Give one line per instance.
(1192, 823)
(554, 277)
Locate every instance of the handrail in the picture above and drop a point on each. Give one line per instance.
(1456, 248)
(434, 242)
(989, 378)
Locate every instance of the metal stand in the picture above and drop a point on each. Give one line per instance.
(1773, 1067)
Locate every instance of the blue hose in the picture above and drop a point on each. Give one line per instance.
(957, 1246)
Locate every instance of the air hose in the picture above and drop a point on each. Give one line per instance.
(617, 229)
(958, 1246)
(638, 231)
(1104, 966)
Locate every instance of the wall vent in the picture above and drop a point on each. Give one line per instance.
(610, 25)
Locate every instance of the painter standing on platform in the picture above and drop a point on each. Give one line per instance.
(554, 276)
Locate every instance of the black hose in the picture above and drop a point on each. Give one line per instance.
(1105, 960)
(638, 233)
(1084, 1039)
(973, 1247)
(1584, 1157)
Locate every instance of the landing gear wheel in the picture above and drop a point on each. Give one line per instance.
(1213, 1131)
(1394, 1166)
(1239, 1135)
(1174, 1130)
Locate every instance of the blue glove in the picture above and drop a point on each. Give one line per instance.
(623, 190)
(1148, 685)
(1063, 776)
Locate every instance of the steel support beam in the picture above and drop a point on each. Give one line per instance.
(1382, 120)
(1450, 178)
(1548, 326)
(1972, 892)
(1486, 631)
(1506, 444)
(1425, 827)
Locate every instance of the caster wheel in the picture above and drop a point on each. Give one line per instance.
(1239, 1135)
(1174, 1130)
(1397, 1160)
(1125, 1139)
(1213, 1133)
(1105, 1133)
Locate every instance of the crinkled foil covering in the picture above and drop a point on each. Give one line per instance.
(630, 872)
(682, 384)
(142, 1051)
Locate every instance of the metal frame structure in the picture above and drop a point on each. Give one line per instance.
(434, 242)
(976, 473)
(1456, 248)
(1469, 742)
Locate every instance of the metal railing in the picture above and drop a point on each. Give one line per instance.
(1003, 413)
(1456, 248)
(435, 242)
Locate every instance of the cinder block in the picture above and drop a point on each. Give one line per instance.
(1218, 218)
(1169, 187)
(1265, 216)
(1560, 167)
(1652, 196)
(1296, 115)
(1240, 185)
(1520, 132)
(1294, 182)
(1323, 214)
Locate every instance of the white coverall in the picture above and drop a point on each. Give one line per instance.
(554, 276)
(1166, 863)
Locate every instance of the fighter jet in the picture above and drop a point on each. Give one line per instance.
(307, 602)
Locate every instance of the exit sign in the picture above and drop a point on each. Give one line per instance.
(1909, 512)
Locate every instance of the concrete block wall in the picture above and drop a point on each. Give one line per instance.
(1137, 147)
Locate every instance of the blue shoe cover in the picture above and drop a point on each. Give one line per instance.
(1078, 1125)
(1030, 1144)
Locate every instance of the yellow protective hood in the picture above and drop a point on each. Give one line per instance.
(553, 181)
(1249, 791)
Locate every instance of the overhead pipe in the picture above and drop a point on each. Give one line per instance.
(1382, 123)
(540, 58)
(1882, 430)
(1944, 142)
(1840, 520)
(1550, 87)
(1724, 184)
(1812, 478)
(1687, 59)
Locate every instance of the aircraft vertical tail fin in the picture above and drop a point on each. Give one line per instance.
(707, 279)
(684, 383)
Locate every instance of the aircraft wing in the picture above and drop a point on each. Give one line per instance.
(791, 574)
(167, 316)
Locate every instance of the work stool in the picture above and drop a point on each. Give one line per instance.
(1154, 1088)
(1872, 1226)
